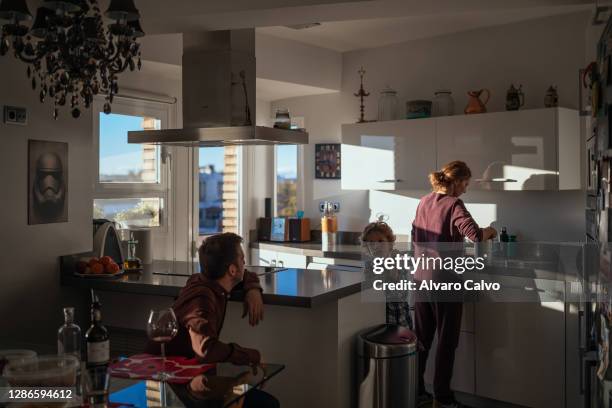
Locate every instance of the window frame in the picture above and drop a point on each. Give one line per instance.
(105, 190)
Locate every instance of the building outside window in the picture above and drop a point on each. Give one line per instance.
(218, 185)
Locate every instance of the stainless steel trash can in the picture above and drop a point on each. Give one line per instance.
(387, 367)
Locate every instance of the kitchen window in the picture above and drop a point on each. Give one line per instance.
(219, 198)
(286, 180)
(130, 179)
(288, 184)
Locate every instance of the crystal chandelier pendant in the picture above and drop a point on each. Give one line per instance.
(70, 49)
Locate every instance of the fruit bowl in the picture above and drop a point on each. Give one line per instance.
(97, 267)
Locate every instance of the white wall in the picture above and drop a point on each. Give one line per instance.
(535, 53)
(30, 293)
(289, 61)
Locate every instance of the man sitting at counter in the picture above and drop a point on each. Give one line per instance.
(201, 305)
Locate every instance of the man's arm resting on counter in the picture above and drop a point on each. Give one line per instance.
(253, 301)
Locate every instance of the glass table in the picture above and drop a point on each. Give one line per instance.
(222, 386)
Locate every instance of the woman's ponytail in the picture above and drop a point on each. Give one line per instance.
(449, 174)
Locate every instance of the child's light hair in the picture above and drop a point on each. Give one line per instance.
(380, 227)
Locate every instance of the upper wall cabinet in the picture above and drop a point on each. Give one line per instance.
(393, 155)
(520, 150)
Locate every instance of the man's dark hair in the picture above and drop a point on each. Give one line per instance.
(217, 253)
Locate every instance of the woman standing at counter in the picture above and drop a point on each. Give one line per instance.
(442, 217)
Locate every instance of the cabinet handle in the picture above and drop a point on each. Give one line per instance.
(496, 180)
(390, 181)
(580, 317)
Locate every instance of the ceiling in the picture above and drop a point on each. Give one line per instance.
(162, 16)
(346, 25)
(345, 36)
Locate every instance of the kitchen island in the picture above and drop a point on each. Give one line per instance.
(310, 320)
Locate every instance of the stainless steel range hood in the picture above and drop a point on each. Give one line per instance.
(219, 96)
(219, 136)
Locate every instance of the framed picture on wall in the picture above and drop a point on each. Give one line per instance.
(47, 182)
(327, 161)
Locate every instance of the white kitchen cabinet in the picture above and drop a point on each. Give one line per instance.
(266, 257)
(393, 155)
(535, 149)
(520, 353)
(263, 257)
(285, 260)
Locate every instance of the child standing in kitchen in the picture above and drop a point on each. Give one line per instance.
(378, 236)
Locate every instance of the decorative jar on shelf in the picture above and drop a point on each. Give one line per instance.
(443, 103)
(282, 119)
(388, 105)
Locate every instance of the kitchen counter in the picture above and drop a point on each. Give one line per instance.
(556, 267)
(342, 251)
(281, 286)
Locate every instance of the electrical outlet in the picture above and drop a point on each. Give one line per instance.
(335, 204)
(14, 115)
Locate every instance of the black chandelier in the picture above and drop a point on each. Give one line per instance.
(71, 55)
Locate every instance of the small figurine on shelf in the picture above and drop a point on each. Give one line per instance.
(362, 94)
(515, 98)
(132, 263)
(551, 100)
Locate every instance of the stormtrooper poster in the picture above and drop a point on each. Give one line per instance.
(47, 182)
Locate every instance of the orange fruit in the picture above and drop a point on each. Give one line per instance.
(97, 268)
(111, 268)
(93, 261)
(105, 260)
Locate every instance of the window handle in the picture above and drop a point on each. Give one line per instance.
(390, 181)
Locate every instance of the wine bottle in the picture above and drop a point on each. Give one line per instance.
(97, 340)
(69, 336)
